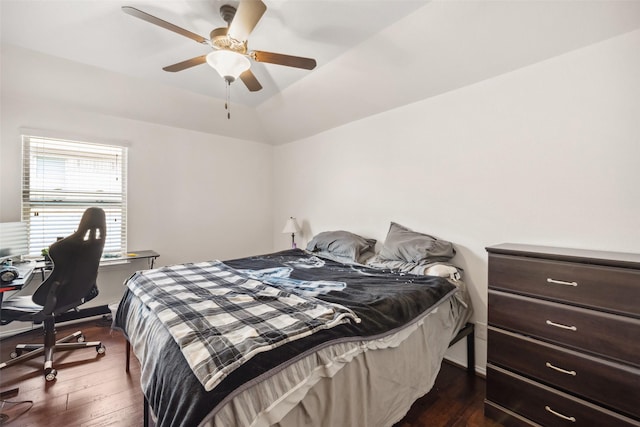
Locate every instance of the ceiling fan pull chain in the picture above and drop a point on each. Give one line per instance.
(227, 103)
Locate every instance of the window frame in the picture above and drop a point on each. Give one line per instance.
(86, 174)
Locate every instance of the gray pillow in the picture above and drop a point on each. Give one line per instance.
(403, 244)
(341, 243)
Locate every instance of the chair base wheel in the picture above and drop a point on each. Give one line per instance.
(101, 349)
(50, 374)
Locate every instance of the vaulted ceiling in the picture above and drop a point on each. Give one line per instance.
(372, 56)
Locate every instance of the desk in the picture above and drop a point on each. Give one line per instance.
(107, 259)
(147, 254)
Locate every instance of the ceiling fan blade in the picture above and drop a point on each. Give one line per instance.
(162, 23)
(186, 64)
(281, 59)
(247, 16)
(250, 80)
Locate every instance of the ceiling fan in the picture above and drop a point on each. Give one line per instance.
(230, 56)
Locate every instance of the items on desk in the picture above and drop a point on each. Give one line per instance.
(111, 255)
(8, 274)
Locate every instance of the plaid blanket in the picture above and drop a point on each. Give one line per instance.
(221, 317)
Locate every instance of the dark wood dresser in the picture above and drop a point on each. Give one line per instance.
(563, 337)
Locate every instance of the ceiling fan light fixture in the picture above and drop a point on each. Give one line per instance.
(228, 64)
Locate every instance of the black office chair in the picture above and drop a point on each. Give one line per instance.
(72, 282)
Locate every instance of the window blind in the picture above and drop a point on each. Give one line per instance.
(61, 179)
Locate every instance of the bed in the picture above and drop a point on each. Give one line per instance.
(375, 346)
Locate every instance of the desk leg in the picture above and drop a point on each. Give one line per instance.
(152, 261)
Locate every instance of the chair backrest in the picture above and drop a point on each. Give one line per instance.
(75, 263)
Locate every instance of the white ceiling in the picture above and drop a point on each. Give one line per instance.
(372, 55)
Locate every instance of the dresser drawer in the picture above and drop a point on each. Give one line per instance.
(611, 289)
(608, 335)
(546, 406)
(610, 384)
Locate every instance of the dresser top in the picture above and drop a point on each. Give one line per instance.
(613, 259)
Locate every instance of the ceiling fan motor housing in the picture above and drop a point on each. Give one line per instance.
(220, 40)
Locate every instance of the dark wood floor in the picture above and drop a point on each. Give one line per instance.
(93, 390)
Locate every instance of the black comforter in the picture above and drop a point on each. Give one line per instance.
(384, 301)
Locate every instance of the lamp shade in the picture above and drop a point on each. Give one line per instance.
(228, 64)
(291, 226)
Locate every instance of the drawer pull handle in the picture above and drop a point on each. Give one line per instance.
(559, 325)
(555, 368)
(561, 282)
(558, 414)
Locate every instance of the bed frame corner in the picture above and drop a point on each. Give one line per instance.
(468, 332)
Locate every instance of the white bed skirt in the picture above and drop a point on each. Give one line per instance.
(350, 384)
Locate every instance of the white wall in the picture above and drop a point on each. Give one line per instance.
(547, 154)
(192, 196)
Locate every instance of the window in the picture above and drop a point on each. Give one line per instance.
(61, 179)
